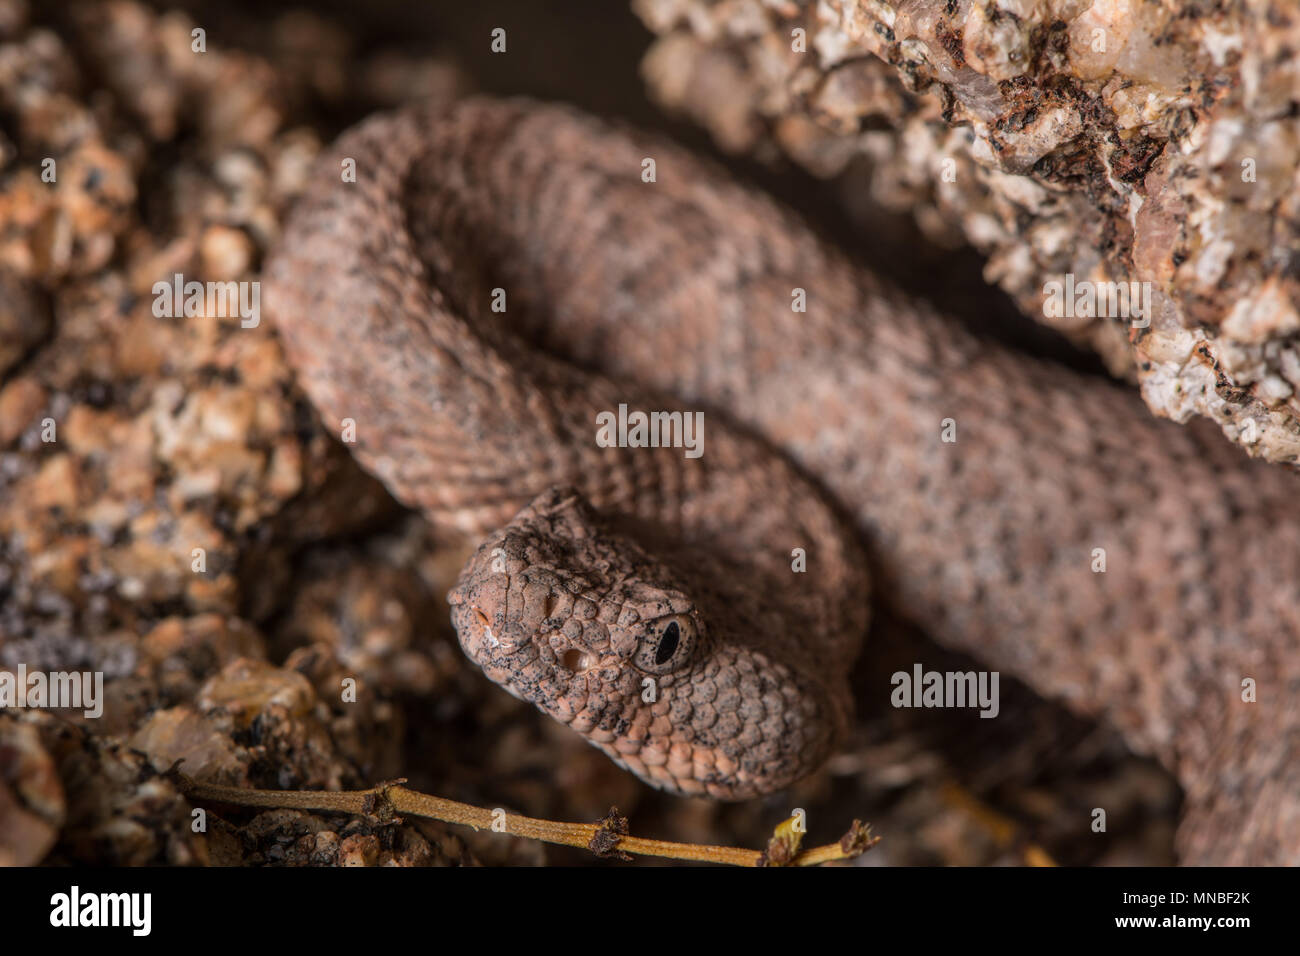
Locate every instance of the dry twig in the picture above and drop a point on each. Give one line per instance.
(389, 801)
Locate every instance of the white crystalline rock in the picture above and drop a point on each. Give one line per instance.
(1152, 142)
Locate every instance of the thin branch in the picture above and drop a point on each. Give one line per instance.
(389, 801)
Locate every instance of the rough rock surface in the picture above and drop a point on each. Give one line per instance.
(159, 473)
(1112, 140)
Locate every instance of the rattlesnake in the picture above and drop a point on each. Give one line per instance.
(500, 273)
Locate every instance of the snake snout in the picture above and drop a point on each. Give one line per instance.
(478, 614)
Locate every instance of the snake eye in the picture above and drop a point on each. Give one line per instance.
(666, 645)
(668, 641)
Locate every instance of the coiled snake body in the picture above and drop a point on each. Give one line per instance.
(696, 617)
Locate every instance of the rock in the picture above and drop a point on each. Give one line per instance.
(24, 321)
(1114, 141)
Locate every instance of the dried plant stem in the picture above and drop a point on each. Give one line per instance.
(388, 801)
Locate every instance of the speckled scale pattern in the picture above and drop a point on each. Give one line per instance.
(822, 432)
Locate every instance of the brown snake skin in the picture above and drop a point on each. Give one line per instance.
(648, 599)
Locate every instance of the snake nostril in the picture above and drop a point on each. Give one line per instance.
(482, 618)
(575, 660)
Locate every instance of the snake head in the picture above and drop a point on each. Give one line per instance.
(571, 618)
(598, 634)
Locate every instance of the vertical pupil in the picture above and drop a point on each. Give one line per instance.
(668, 643)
